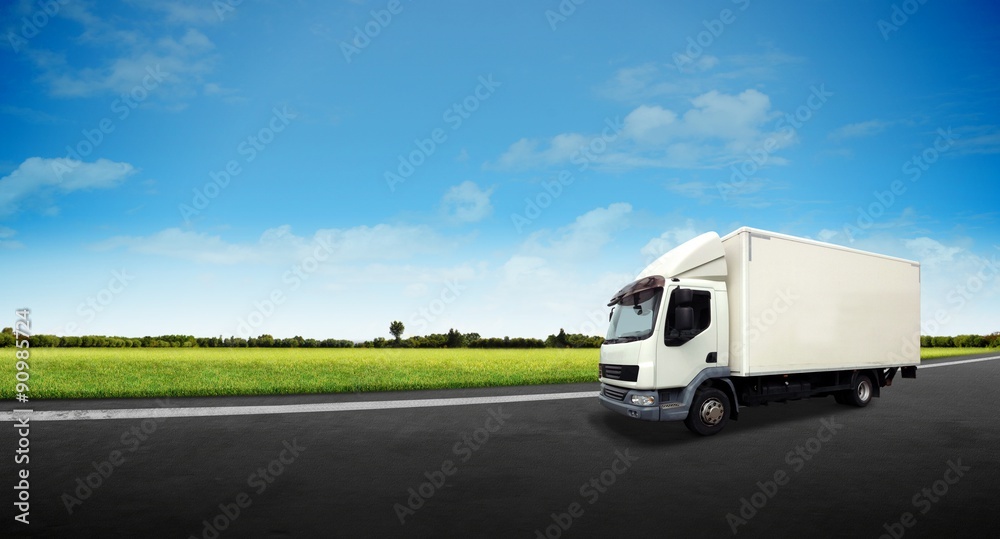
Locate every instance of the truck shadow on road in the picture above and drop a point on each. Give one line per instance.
(795, 415)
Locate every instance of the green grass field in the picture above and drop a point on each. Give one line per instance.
(63, 373)
(176, 372)
(937, 353)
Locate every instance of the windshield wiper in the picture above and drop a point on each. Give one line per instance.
(629, 338)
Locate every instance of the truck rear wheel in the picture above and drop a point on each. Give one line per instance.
(860, 393)
(709, 412)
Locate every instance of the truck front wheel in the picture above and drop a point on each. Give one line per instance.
(709, 412)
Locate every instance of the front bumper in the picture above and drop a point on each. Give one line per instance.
(669, 411)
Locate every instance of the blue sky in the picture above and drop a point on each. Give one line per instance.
(324, 168)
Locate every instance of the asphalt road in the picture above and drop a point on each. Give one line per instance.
(562, 468)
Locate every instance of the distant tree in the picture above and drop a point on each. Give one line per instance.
(396, 328)
(455, 339)
(265, 340)
(336, 343)
(944, 342)
(576, 340)
(926, 341)
(557, 341)
(292, 342)
(39, 340)
(7, 337)
(969, 341)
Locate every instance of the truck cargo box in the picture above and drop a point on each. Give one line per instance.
(798, 305)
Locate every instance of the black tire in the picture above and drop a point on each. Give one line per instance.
(709, 412)
(861, 391)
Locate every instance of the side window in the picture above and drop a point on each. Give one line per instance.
(689, 312)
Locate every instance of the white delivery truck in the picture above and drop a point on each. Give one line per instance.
(754, 317)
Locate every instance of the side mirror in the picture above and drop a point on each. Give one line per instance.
(684, 318)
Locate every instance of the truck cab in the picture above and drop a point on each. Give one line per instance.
(668, 332)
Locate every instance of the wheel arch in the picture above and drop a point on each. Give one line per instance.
(726, 386)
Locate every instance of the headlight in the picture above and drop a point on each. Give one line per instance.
(643, 400)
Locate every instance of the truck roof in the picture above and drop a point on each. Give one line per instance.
(766, 233)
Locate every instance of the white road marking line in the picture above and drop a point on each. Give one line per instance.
(155, 413)
(932, 365)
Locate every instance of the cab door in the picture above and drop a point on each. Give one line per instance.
(689, 336)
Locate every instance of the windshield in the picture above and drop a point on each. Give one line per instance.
(634, 317)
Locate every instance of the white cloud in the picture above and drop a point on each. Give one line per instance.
(557, 278)
(415, 290)
(519, 267)
(641, 83)
(178, 61)
(6, 242)
(29, 114)
(931, 252)
(713, 115)
(977, 139)
(705, 116)
(827, 234)
(467, 203)
(859, 130)
(703, 63)
(383, 242)
(280, 246)
(706, 62)
(190, 12)
(756, 67)
(748, 194)
(645, 120)
(669, 239)
(645, 82)
(716, 130)
(959, 287)
(176, 243)
(728, 117)
(41, 177)
(231, 96)
(583, 238)
(699, 190)
(526, 153)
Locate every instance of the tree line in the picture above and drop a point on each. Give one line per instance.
(962, 341)
(452, 339)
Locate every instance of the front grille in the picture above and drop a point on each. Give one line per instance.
(615, 393)
(625, 373)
